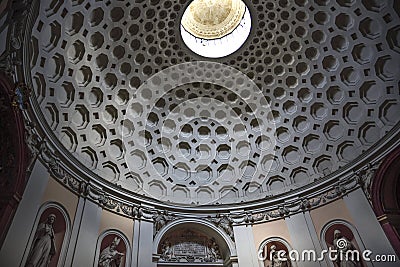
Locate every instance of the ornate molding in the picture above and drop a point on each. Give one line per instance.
(18, 18)
(14, 155)
(365, 177)
(41, 149)
(161, 217)
(8, 61)
(225, 223)
(301, 204)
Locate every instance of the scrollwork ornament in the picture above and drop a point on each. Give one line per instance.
(305, 204)
(258, 217)
(84, 190)
(161, 219)
(225, 223)
(127, 210)
(248, 218)
(136, 212)
(74, 184)
(339, 190)
(365, 178)
(283, 211)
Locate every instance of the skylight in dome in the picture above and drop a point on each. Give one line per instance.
(222, 47)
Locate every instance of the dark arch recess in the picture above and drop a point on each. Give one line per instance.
(386, 197)
(14, 155)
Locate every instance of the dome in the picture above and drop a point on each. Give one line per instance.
(129, 106)
(199, 132)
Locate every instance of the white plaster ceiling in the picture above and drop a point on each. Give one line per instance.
(328, 70)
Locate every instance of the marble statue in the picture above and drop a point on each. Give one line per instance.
(343, 245)
(276, 261)
(110, 257)
(43, 246)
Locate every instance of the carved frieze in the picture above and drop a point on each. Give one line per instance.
(189, 246)
(365, 177)
(225, 223)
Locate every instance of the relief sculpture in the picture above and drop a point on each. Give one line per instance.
(189, 246)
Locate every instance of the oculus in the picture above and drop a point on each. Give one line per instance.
(215, 29)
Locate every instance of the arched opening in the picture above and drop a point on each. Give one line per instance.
(14, 155)
(195, 243)
(385, 191)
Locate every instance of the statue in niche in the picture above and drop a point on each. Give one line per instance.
(213, 253)
(43, 246)
(110, 256)
(343, 245)
(278, 260)
(166, 251)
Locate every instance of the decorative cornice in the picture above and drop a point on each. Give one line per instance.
(301, 204)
